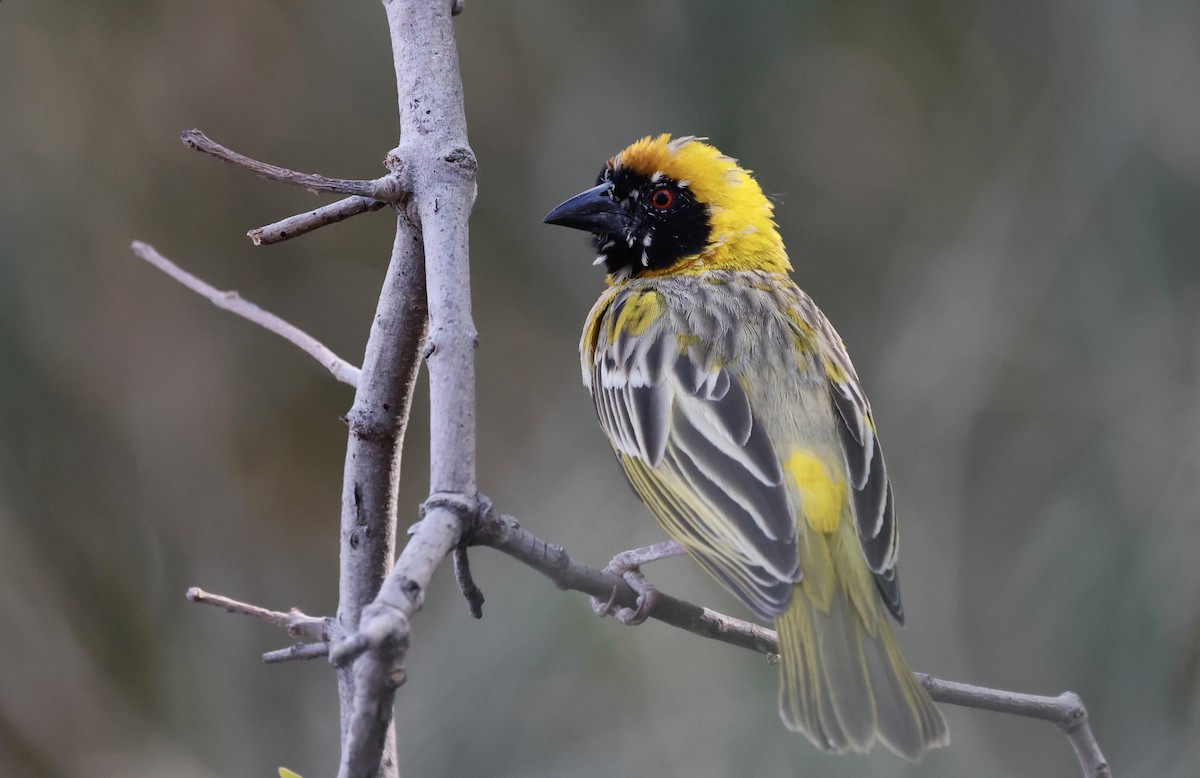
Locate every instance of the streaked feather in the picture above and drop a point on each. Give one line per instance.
(693, 448)
(706, 388)
(738, 418)
(674, 346)
(874, 510)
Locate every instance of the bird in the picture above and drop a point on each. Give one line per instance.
(739, 420)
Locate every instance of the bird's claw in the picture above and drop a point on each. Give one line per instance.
(602, 608)
(647, 596)
(627, 565)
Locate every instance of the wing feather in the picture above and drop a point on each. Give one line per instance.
(748, 507)
(648, 408)
(665, 377)
(694, 450)
(871, 495)
(686, 518)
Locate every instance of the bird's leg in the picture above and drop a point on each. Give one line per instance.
(635, 558)
(627, 564)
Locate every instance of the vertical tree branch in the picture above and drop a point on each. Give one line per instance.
(438, 168)
(377, 423)
(433, 145)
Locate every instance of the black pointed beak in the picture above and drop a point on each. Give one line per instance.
(593, 210)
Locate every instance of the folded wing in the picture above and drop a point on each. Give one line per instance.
(695, 450)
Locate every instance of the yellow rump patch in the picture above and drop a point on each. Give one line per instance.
(823, 494)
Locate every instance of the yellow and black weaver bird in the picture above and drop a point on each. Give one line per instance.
(734, 410)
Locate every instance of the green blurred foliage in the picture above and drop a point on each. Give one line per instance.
(998, 204)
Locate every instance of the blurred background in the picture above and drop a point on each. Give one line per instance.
(996, 202)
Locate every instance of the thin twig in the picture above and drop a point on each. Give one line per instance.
(297, 651)
(231, 301)
(386, 188)
(296, 623)
(466, 584)
(300, 224)
(1066, 711)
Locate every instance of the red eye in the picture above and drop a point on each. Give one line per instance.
(662, 198)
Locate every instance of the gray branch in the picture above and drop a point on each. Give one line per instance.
(385, 188)
(297, 651)
(504, 534)
(297, 624)
(376, 652)
(235, 303)
(439, 171)
(466, 582)
(303, 223)
(1066, 711)
(377, 422)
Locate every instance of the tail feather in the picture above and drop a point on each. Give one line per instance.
(841, 661)
(804, 702)
(845, 684)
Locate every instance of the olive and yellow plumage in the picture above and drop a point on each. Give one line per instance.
(738, 418)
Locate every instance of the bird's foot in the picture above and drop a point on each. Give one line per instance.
(627, 565)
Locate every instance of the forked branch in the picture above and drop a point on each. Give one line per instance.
(440, 167)
(297, 624)
(504, 534)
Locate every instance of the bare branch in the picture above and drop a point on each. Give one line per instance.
(466, 583)
(377, 421)
(386, 188)
(379, 646)
(439, 166)
(301, 224)
(504, 534)
(296, 623)
(231, 301)
(1066, 711)
(370, 749)
(295, 652)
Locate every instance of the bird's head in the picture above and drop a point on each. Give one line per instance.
(667, 205)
